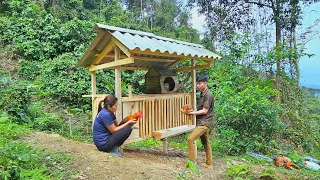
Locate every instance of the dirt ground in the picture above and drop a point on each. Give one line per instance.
(89, 163)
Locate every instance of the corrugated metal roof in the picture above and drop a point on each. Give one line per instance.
(143, 41)
(137, 39)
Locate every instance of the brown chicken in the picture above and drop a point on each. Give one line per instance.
(186, 109)
(282, 161)
(136, 116)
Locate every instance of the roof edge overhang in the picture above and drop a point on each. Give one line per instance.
(136, 52)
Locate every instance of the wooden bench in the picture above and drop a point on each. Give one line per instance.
(165, 133)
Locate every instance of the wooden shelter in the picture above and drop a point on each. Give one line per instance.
(125, 49)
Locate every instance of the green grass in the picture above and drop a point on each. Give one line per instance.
(18, 160)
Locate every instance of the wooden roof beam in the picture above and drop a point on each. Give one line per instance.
(175, 62)
(133, 68)
(158, 53)
(166, 54)
(154, 59)
(100, 56)
(192, 68)
(178, 60)
(113, 64)
(121, 46)
(144, 58)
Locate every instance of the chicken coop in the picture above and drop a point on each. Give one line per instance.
(125, 49)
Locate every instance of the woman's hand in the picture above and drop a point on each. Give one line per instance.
(132, 122)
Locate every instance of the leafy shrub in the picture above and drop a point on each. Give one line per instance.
(226, 143)
(9, 130)
(62, 80)
(149, 143)
(270, 173)
(16, 97)
(20, 161)
(239, 171)
(245, 108)
(28, 70)
(47, 122)
(38, 35)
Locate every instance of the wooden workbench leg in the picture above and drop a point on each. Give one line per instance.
(165, 145)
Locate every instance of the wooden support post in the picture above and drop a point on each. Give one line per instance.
(93, 93)
(194, 101)
(117, 82)
(165, 145)
(130, 90)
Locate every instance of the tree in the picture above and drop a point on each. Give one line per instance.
(228, 17)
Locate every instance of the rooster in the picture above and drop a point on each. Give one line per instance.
(282, 161)
(186, 109)
(136, 116)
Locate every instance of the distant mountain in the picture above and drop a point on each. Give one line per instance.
(314, 86)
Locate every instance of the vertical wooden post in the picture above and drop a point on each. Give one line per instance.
(130, 90)
(93, 94)
(117, 82)
(194, 101)
(165, 145)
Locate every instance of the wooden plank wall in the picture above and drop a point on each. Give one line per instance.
(160, 111)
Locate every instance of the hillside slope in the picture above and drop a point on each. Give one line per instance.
(89, 163)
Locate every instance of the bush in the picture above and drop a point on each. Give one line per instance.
(62, 80)
(38, 35)
(16, 97)
(9, 130)
(20, 161)
(47, 122)
(244, 109)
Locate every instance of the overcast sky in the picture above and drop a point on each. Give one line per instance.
(309, 67)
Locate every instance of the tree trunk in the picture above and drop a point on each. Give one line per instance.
(278, 40)
(296, 61)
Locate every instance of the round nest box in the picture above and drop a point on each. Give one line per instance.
(161, 80)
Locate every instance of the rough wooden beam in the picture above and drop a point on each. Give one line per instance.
(121, 62)
(174, 55)
(144, 58)
(175, 62)
(192, 68)
(121, 46)
(172, 131)
(96, 40)
(95, 96)
(100, 56)
(194, 101)
(193, 87)
(165, 145)
(117, 81)
(134, 68)
(158, 53)
(93, 93)
(154, 59)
